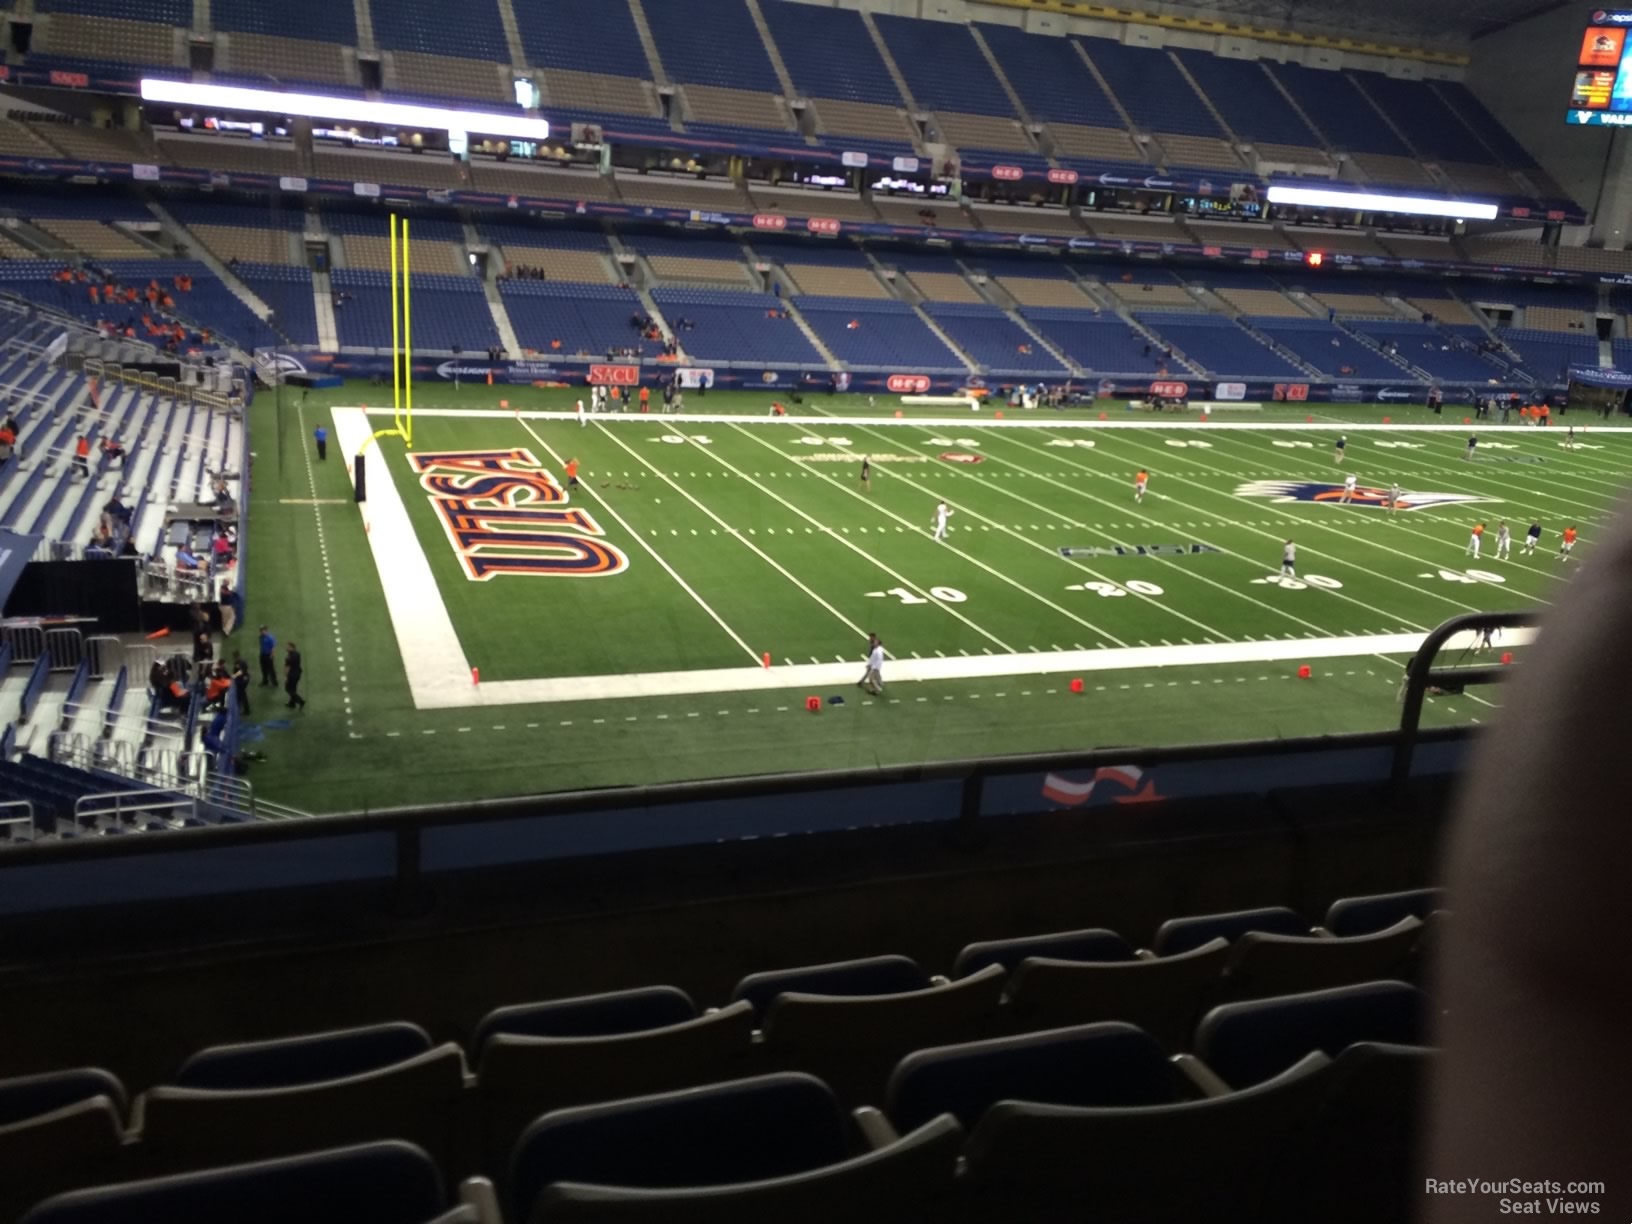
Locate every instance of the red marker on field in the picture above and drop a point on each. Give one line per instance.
(475, 675)
(767, 660)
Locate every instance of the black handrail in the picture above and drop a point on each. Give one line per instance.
(1420, 675)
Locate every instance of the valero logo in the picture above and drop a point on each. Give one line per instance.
(1008, 173)
(908, 384)
(1170, 390)
(614, 375)
(1377, 499)
(770, 221)
(822, 225)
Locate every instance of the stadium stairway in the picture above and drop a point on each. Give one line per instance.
(772, 52)
(512, 37)
(648, 44)
(779, 278)
(490, 287)
(1004, 301)
(328, 334)
(196, 249)
(889, 61)
(1002, 77)
(1111, 304)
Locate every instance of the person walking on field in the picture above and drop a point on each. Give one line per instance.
(1504, 541)
(1348, 490)
(321, 436)
(1340, 447)
(645, 399)
(1474, 541)
(866, 472)
(583, 421)
(1289, 560)
(942, 513)
(872, 680)
(1139, 483)
(572, 473)
(269, 668)
(292, 672)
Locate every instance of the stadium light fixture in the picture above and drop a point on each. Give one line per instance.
(349, 110)
(1366, 201)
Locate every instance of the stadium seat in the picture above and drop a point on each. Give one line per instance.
(1185, 934)
(1247, 1043)
(375, 1183)
(1366, 915)
(1090, 945)
(853, 1041)
(57, 1131)
(598, 1015)
(304, 1059)
(520, 1077)
(1262, 964)
(1110, 1064)
(1162, 995)
(775, 1147)
(280, 1108)
(874, 975)
(1213, 1158)
(1355, 1159)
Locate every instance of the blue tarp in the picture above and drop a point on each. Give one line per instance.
(1594, 376)
(16, 551)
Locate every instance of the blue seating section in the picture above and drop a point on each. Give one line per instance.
(244, 216)
(1246, 97)
(710, 42)
(886, 335)
(317, 19)
(701, 247)
(1623, 354)
(828, 53)
(735, 326)
(289, 292)
(427, 26)
(74, 205)
(1050, 77)
(165, 12)
(448, 311)
(1328, 348)
(593, 35)
(1337, 107)
(1548, 355)
(1442, 355)
(1098, 343)
(553, 239)
(587, 320)
(993, 339)
(943, 66)
(1218, 345)
(1460, 99)
(1421, 114)
(1151, 89)
(420, 227)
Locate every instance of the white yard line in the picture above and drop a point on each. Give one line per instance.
(739, 537)
(656, 556)
(1205, 628)
(822, 678)
(951, 548)
(432, 657)
(860, 552)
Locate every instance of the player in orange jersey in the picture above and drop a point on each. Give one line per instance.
(572, 473)
(1474, 540)
(1567, 545)
(1139, 483)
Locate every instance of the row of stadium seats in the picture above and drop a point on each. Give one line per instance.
(1200, 1028)
(739, 65)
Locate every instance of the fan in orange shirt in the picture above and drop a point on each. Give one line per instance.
(1474, 541)
(1139, 483)
(1567, 545)
(572, 473)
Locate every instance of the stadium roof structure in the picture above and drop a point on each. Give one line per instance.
(1422, 22)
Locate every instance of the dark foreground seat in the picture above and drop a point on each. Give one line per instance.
(376, 1183)
(1261, 965)
(57, 1130)
(776, 1147)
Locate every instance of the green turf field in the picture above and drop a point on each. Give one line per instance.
(756, 536)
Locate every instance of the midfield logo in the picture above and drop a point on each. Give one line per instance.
(505, 514)
(1313, 491)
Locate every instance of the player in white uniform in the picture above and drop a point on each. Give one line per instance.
(1289, 560)
(582, 420)
(872, 680)
(942, 513)
(1504, 541)
(1348, 490)
(1394, 495)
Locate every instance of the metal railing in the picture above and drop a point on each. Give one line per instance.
(126, 806)
(30, 639)
(1421, 675)
(15, 815)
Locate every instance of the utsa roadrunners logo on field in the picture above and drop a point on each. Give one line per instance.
(505, 514)
(1316, 491)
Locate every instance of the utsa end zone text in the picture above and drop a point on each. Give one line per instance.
(505, 514)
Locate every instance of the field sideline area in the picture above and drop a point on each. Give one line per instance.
(735, 535)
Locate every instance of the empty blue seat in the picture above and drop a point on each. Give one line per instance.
(1246, 1043)
(873, 975)
(1096, 944)
(598, 1015)
(1111, 1064)
(1183, 934)
(773, 1147)
(376, 1183)
(305, 1059)
(1262, 964)
(57, 1130)
(1364, 915)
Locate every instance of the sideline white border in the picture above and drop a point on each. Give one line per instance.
(439, 672)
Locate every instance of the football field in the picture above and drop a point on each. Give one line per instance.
(620, 629)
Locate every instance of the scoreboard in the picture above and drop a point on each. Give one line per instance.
(1603, 71)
